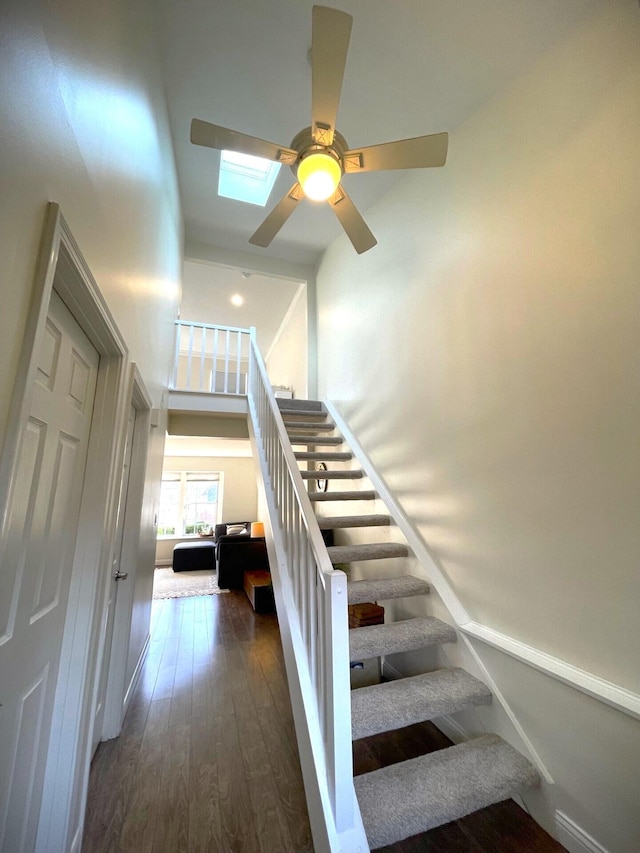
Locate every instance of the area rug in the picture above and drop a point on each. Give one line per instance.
(170, 584)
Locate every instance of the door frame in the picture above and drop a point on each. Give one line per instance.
(120, 685)
(61, 266)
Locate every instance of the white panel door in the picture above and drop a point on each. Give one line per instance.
(119, 573)
(36, 553)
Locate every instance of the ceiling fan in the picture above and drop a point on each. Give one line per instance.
(319, 155)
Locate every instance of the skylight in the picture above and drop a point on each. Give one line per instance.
(246, 178)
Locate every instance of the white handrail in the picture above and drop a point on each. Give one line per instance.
(318, 594)
(211, 363)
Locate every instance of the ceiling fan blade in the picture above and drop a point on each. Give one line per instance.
(354, 225)
(329, 46)
(278, 216)
(214, 136)
(417, 153)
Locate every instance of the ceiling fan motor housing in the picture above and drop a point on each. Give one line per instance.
(305, 144)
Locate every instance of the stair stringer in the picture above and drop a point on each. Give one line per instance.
(499, 717)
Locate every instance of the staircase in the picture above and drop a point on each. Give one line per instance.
(417, 795)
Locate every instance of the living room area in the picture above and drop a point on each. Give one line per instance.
(209, 534)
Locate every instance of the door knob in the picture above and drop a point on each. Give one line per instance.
(120, 576)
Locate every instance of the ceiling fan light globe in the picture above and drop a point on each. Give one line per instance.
(319, 175)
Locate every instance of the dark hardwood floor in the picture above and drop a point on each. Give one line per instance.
(207, 759)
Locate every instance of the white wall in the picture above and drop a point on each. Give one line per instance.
(486, 355)
(287, 362)
(84, 124)
(239, 496)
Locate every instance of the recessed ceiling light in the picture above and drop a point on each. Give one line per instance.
(236, 299)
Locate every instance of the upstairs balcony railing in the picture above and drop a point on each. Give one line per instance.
(211, 359)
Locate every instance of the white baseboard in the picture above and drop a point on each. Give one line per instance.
(76, 844)
(136, 675)
(574, 838)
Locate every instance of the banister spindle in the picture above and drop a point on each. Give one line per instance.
(226, 362)
(189, 357)
(203, 348)
(238, 353)
(214, 369)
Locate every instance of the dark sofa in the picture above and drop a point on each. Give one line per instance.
(237, 553)
(220, 531)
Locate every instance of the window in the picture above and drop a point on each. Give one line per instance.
(189, 503)
(246, 178)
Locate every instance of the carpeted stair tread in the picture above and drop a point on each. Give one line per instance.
(366, 551)
(316, 440)
(363, 495)
(422, 793)
(374, 640)
(363, 591)
(337, 521)
(301, 415)
(310, 425)
(338, 474)
(406, 701)
(323, 456)
(289, 405)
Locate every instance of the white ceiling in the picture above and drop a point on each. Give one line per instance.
(206, 298)
(414, 67)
